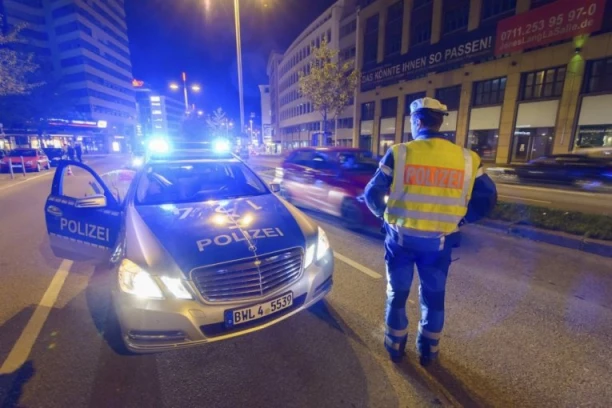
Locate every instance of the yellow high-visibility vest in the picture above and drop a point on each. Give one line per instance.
(432, 185)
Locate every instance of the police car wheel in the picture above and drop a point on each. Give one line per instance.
(351, 215)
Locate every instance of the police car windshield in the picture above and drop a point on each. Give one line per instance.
(188, 182)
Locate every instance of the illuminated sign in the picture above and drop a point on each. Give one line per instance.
(137, 84)
(102, 124)
(155, 99)
(560, 20)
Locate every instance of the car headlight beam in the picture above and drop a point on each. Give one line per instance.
(136, 281)
(176, 287)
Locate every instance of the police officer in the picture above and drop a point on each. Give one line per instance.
(424, 190)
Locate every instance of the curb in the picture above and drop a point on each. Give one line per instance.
(578, 243)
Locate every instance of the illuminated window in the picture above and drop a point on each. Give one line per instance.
(547, 83)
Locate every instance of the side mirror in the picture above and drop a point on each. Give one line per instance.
(97, 201)
(275, 187)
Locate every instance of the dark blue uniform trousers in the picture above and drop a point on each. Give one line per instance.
(432, 267)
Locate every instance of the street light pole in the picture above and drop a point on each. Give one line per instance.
(239, 61)
(185, 92)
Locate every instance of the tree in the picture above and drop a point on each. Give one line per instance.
(15, 67)
(218, 120)
(329, 84)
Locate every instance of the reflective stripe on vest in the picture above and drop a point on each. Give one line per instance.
(440, 210)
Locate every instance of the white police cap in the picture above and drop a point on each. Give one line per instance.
(428, 103)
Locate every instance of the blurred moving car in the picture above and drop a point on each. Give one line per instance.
(54, 154)
(567, 169)
(331, 180)
(200, 248)
(33, 159)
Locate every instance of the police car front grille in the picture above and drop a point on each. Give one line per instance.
(248, 278)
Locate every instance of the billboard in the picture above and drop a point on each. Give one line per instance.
(444, 55)
(561, 20)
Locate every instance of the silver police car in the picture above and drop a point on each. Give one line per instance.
(200, 247)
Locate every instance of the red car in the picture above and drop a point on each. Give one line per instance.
(34, 160)
(331, 180)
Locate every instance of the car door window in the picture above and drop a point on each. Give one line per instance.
(79, 183)
(302, 158)
(119, 183)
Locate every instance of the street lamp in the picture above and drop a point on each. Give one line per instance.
(195, 88)
(239, 61)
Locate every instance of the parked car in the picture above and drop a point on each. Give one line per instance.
(567, 169)
(330, 180)
(33, 159)
(55, 154)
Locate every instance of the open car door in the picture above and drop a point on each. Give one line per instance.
(83, 217)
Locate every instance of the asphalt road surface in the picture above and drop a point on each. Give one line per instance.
(528, 325)
(570, 199)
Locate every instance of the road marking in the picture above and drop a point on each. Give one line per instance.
(26, 179)
(357, 266)
(22, 348)
(525, 199)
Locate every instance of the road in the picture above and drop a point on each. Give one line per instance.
(528, 325)
(561, 198)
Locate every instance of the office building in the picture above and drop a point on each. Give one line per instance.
(157, 114)
(295, 123)
(86, 46)
(266, 117)
(521, 78)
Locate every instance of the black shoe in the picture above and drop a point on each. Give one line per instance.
(426, 361)
(397, 359)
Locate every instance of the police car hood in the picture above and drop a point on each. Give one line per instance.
(206, 233)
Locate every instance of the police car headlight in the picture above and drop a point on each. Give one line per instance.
(176, 287)
(136, 281)
(310, 254)
(137, 161)
(322, 244)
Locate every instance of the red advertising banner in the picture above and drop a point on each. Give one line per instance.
(560, 20)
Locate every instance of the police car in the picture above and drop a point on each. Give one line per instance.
(200, 248)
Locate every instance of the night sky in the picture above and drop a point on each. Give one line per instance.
(171, 36)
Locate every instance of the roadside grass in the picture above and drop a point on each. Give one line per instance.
(586, 225)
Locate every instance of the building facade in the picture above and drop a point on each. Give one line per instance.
(157, 114)
(266, 117)
(521, 78)
(295, 123)
(86, 46)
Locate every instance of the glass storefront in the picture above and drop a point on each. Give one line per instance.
(387, 135)
(531, 143)
(365, 134)
(594, 136)
(483, 133)
(484, 142)
(594, 123)
(534, 130)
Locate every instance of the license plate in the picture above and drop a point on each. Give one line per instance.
(261, 310)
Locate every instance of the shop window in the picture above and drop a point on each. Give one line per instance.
(393, 29)
(367, 111)
(531, 143)
(388, 108)
(591, 136)
(456, 14)
(370, 41)
(489, 92)
(450, 96)
(484, 142)
(420, 22)
(497, 8)
(542, 84)
(598, 76)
